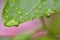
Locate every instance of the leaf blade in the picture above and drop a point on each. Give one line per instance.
(22, 11)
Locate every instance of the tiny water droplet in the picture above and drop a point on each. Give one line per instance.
(33, 8)
(55, 1)
(7, 17)
(13, 0)
(26, 19)
(16, 8)
(38, 16)
(20, 17)
(36, 12)
(19, 13)
(49, 11)
(26, 13)
(48, 16)
(39, 8)
(23, 8)
(14, 17)
(45, 5)
(31, 18)
(10, 6)
(43, 0)
(6, 10)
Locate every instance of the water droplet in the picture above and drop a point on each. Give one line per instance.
(12, 22)
(31, 18)
(16, 8)
(14, 17)
(36, 12)
(10, 6)
(23, 8)
(49, 11)
(26, 19)
(48, 14)
(43, 0)
(55, 1)
(45, 5)
(20, 17)
(7, 17)
(38, 16)
(26, 13)
(6, 10)
(13, 0)
(33, 8)
(19, 13)
(39, 8)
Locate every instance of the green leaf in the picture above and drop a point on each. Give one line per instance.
(46, 38)
(55, 24)
(23, 36)
(0, 38)
(6, 38)
(23, 10)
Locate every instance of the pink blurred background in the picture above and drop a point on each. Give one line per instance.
(13, 31)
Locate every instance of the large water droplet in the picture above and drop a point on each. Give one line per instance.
(12, 23)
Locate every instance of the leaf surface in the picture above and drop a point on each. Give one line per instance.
(19, 11)
(46, 38)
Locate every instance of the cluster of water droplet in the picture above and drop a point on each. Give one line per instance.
(17, 12)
